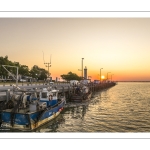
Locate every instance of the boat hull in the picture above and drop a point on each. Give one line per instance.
(81, 98)
(30, 121)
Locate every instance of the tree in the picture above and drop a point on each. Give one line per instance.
(24, 70)
(71, 76)
(4, 61)
(37, 72)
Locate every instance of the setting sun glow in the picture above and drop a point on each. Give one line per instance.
(118, 45)
(102, 77)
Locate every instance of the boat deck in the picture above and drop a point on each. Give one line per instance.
(23, 111)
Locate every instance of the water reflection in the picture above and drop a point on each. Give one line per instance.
(76, 113)
(53, 125)
(64, 120)
(123, 108)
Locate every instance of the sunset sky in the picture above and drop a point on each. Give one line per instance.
(118, 45)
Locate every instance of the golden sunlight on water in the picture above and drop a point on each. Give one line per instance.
(122, 108)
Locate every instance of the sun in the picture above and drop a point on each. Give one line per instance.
(103, 77)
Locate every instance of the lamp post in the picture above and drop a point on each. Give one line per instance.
(82, 68)
(81, 71)
(100, 75)
(89, 78)
(107, 75)
(111, 77)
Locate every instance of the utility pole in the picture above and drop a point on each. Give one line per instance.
(48, 64)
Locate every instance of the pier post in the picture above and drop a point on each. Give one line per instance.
(7, 95)
(68, 92)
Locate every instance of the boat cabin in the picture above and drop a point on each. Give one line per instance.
(50, 97)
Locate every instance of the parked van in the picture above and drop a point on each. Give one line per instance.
(74, 82)
(85, 81)
(51, 83)
(23, 80)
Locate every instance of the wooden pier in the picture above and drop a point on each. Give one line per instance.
(64, 89)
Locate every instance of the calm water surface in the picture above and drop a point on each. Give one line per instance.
(122, 108)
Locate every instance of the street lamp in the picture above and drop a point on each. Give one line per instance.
(111, 77)
(100, 75)
(82, 68)
(89, 77)
(81, 71)
(107, 75)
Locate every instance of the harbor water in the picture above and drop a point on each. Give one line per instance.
(121, 108)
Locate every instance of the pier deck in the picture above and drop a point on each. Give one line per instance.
(63, 89)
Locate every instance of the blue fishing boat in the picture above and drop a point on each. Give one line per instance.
(28, 112)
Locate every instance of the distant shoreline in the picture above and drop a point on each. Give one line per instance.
(132, 81)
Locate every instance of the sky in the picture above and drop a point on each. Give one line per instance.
(120, 46)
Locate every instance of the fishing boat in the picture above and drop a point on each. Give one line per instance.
(81, 94)
(28, 112)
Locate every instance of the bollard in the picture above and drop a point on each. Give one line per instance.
(69, 92)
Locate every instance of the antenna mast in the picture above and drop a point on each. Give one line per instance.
(47, 64)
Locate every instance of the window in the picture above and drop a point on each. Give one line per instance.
(44, 95)
(54, 94)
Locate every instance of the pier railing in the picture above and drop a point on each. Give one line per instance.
(41, 82)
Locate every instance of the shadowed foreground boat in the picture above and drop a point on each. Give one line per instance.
(27, 112)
